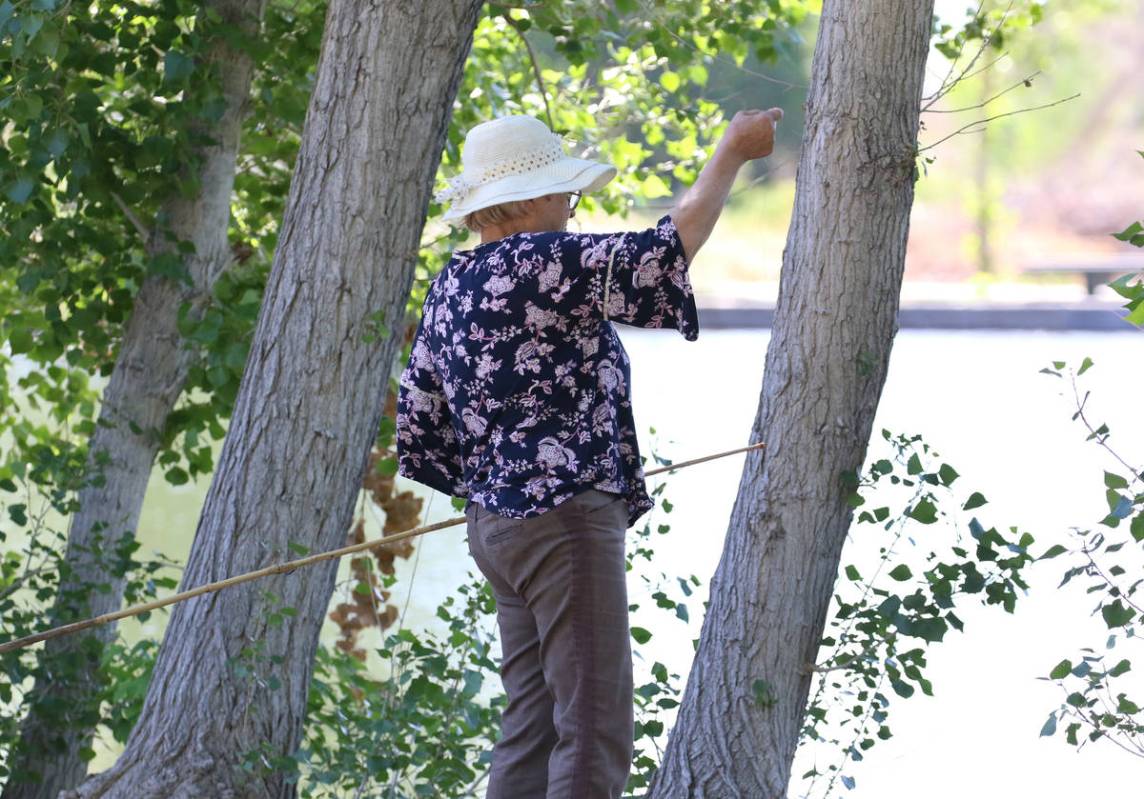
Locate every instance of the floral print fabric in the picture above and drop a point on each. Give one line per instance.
(517, 390)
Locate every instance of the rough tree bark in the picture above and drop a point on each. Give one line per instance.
(825, 368)
(148, 377)
(309, 405)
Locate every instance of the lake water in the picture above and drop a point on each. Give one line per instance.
(979, 400)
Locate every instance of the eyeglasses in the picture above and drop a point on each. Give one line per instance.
(573, 200)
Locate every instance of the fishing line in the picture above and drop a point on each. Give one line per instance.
(289, 566)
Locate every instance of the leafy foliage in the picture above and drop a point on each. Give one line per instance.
(878, 638)
(1097, 696)
(1131, 286)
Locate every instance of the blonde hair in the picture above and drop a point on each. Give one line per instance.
(495, 215)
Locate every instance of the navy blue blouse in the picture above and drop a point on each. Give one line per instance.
(517, 391)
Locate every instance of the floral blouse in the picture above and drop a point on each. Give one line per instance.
(517, 391)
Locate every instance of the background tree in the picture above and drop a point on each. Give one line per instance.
(189, 235)
(739, 723)
(309, 405)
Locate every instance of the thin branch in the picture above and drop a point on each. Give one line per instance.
(434, 242)
(535, 68)
(987, 66)
(289, 566)
(135, 220)
(18, 583)
(965, 128)
(953, 62)
(1136, 475)
(1023, 82)
(944, 89)
(1121, 595)
(1070, 710)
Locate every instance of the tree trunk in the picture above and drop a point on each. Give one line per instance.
(308, 409)
(825, 368)
(147, 379)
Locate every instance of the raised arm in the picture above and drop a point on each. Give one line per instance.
(749, 135)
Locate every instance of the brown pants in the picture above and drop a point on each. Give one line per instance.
(566, 665)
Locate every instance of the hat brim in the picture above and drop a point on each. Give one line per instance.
(567, 174)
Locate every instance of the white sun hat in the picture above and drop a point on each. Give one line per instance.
(516, 158)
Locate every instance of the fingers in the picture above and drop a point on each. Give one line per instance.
(776, 114)
(751, 133)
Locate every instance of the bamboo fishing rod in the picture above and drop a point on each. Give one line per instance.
(289, 566)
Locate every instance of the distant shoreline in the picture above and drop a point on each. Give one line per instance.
(716, 313)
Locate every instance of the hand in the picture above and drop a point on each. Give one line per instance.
(751, 133)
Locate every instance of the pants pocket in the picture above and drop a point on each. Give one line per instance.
(594, 501)
(502, 527)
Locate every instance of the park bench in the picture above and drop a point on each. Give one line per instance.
(1096, 270)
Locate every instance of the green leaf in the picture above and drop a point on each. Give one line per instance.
(177, 66)
(1061, 670)
(57, 143)
(932, 630)
(976, 500)
(18, 514)
(947, 474)
(1116, 614)
(1123, 286)
(19, 190)
(901, 572)
(1050, 726)
(852, 574)
(1120, 668)
(641, 635)
(902, 689)
(387, 467)
(654, 186)
(1121, 507)
(1084, 367)
(924, 512)
(1053, 551)
(1136, 317)
(1114, 480)
(1129, 231)
(669, 81)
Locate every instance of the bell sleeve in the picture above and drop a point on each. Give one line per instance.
(638, 278)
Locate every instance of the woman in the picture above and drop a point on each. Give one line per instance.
(516, 396)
